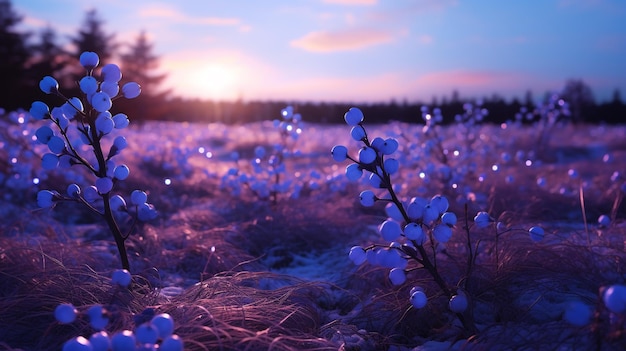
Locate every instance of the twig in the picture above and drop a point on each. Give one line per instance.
(582, 207)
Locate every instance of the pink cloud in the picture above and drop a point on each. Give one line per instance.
(171, 14)
(245, 28)
(35, 22)
(31, 22)
(344, 40)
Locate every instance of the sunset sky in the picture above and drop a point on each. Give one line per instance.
(363, 50)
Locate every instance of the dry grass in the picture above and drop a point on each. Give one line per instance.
(234, 258)
(235, 312)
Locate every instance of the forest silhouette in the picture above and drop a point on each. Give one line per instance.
(25, 58)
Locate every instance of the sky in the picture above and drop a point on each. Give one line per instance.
(362, 50)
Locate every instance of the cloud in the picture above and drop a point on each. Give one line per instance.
(169, 13)
(245, 28)
(31, 23)
(342, 40)
(352, 2)
(34, 22)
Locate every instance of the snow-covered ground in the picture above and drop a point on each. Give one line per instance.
(237, 269)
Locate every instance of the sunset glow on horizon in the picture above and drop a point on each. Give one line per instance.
(362, 50)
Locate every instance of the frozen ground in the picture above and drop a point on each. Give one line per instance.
(237, 271)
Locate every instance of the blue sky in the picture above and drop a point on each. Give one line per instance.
(364, 50)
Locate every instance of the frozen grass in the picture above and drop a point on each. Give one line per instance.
(239, 273)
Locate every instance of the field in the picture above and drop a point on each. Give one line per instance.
(240, 267)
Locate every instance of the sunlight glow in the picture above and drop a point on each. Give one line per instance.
(216, 79)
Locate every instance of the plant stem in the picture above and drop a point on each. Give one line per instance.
(274, 191)
(581, 194)
(108, 213)
(466, 318)
(470, 255)
(115, 230)
(426, 262)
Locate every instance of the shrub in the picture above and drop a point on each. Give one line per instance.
(77, 134)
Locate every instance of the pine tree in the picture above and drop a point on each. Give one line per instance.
(14, 91)
(580, 98)
(92, 37)
(617, 97)
(139, 65)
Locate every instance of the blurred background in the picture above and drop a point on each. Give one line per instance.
(240, 61)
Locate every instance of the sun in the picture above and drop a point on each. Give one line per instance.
(210, 80)
(218, 81)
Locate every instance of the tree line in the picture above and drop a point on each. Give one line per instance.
(23, 62)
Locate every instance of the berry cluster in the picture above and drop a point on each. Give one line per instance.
(18, 172)
(268, 177)
(550, 113)
(416, 231)
(152, 332)
(82, 127)
(410, 227)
